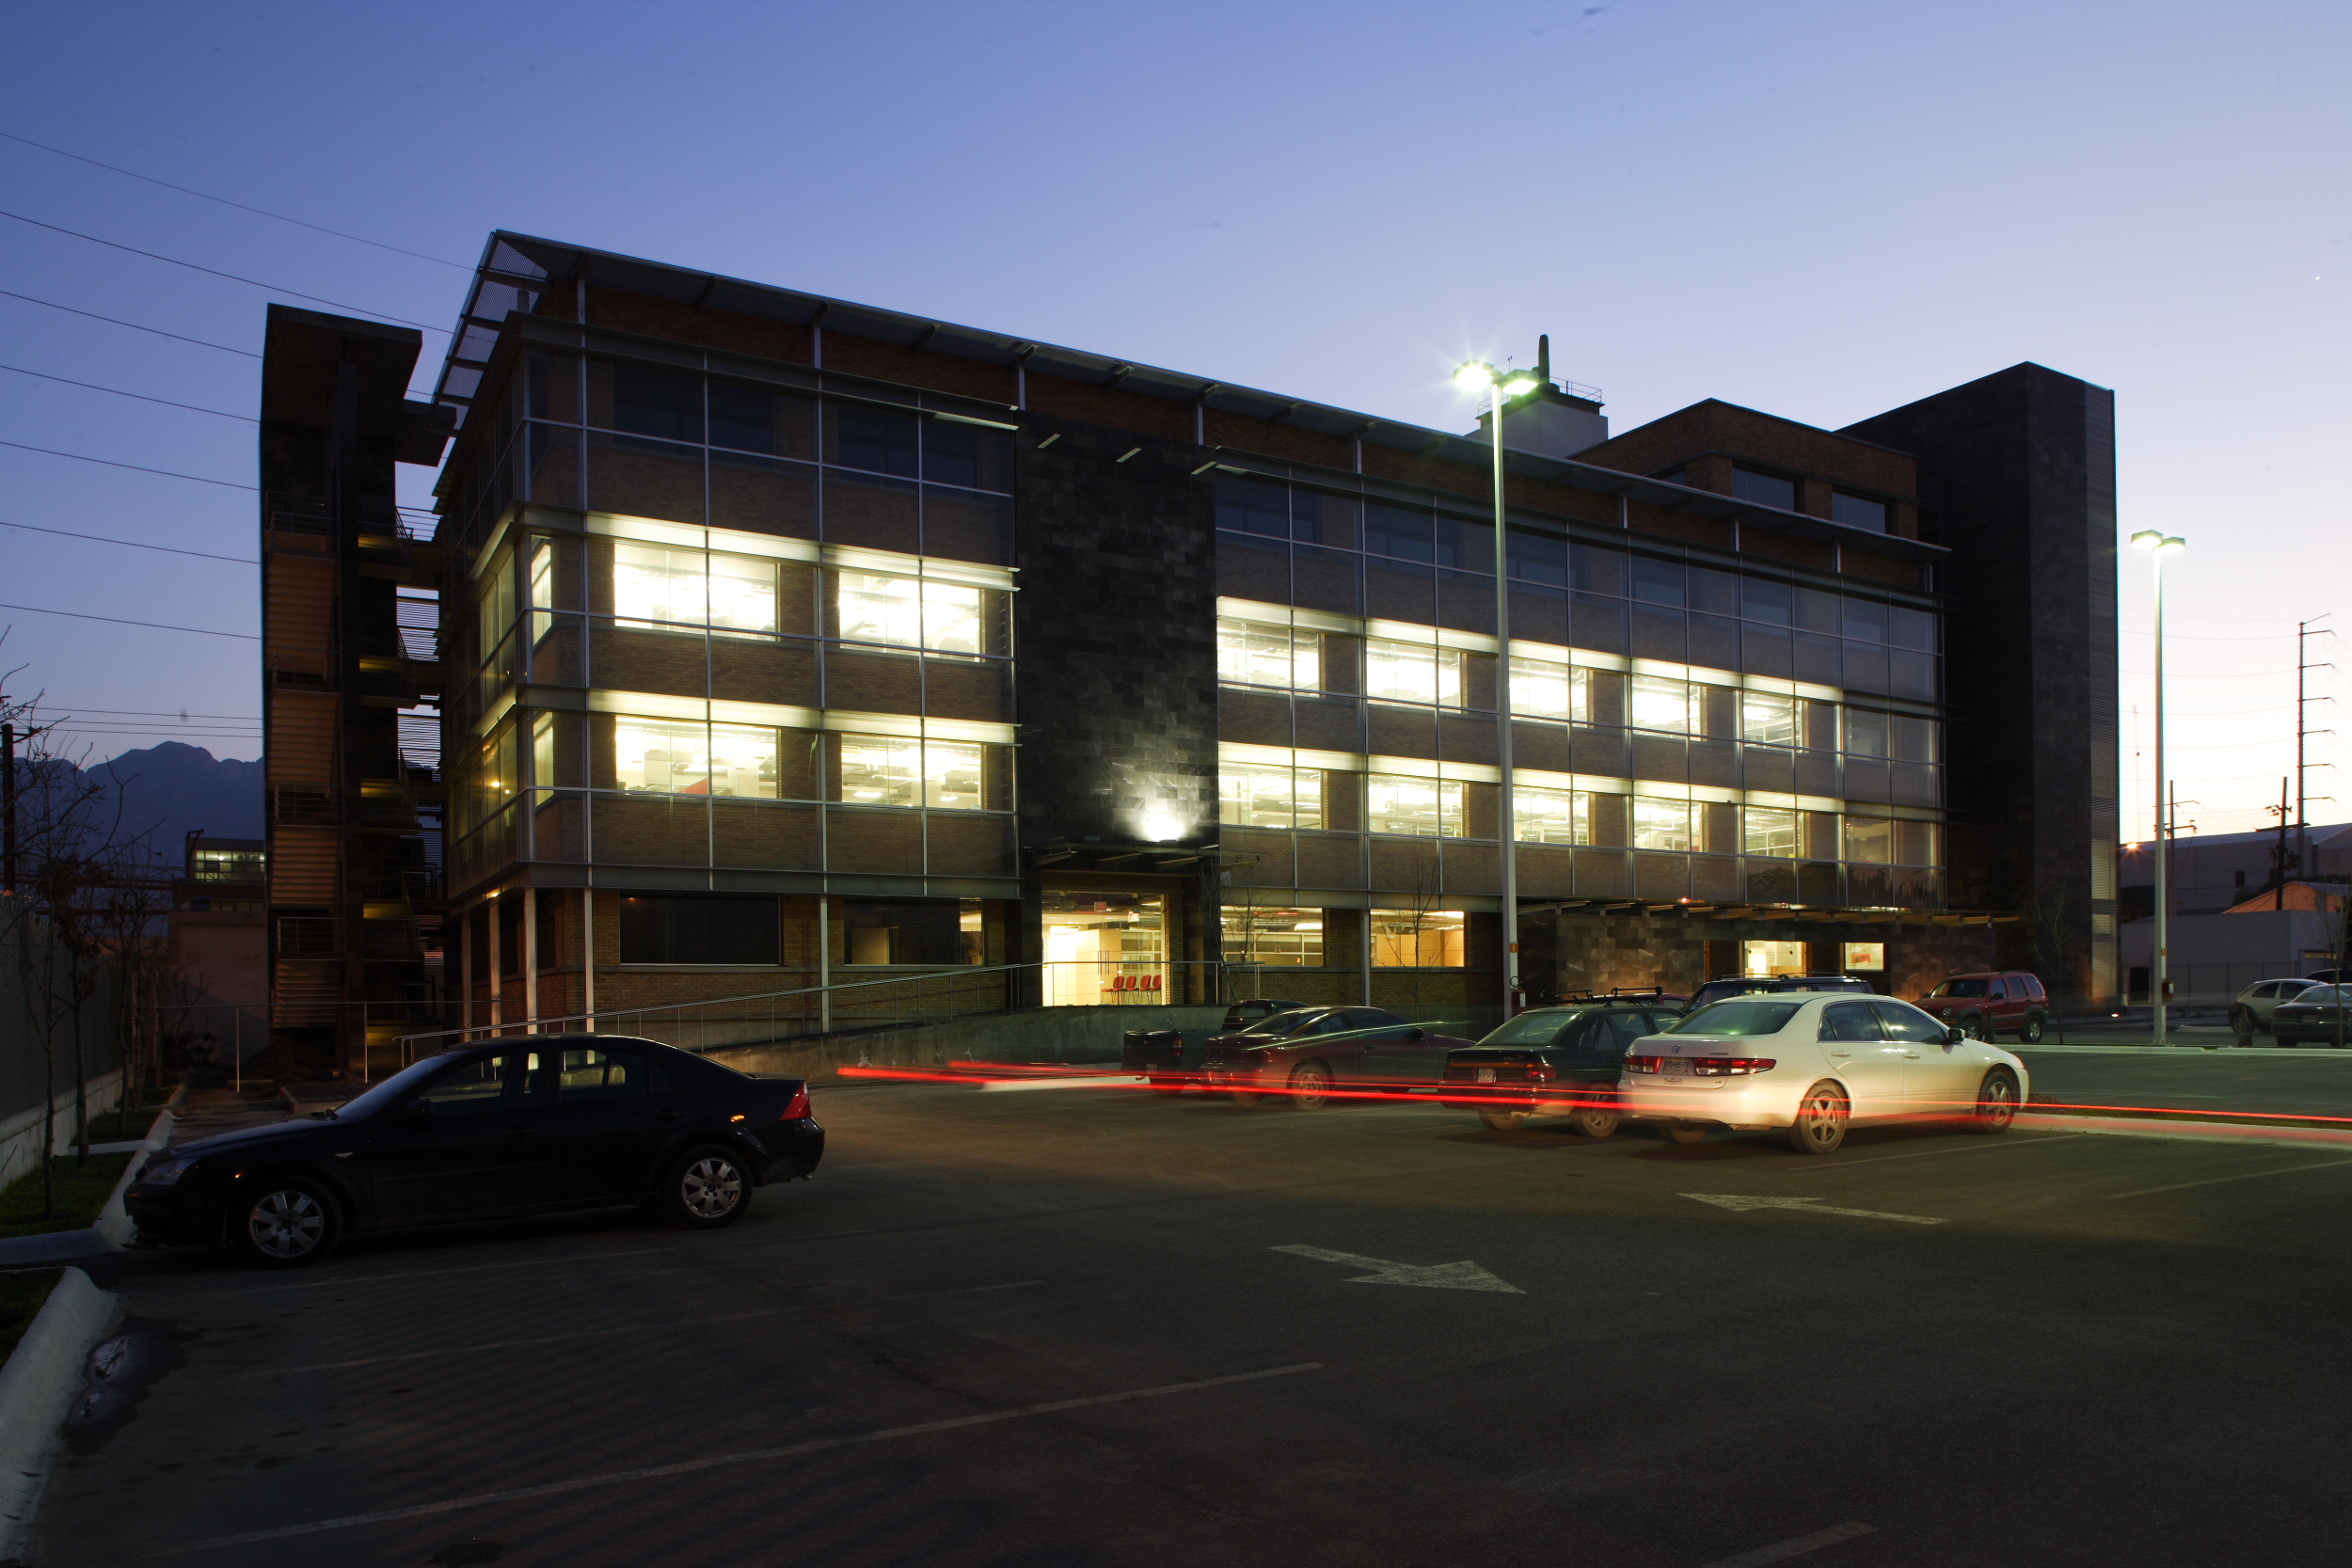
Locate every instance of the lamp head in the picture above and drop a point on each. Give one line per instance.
(1475, 375)
(2147, 539)
(1519, 385)
(2173, 545)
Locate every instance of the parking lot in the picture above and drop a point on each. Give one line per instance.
(1086, 1326)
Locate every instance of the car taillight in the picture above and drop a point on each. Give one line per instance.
(1731, 1067)
(1642, 1064)
(795, 1109)
(1539, 1072)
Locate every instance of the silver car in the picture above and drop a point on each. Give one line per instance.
(2250, 1013)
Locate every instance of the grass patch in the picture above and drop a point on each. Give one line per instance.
(82, 1191)
(21, 1296)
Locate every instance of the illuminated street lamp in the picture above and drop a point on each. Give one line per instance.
(1476, 377)
(2159, 970)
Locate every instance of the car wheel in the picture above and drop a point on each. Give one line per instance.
(1311, 1086)
(1503, 1121)
(2242, 1022)
(2029, 1033)
(1980, 1028)
(1169, 1087)
(1595, 1122)
(1821, 1118)
(288, 1222)
(1996, 1102)
(1681, 1131)
(708, 1187)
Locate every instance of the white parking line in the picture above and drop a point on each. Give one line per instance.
(2216, 1181)
(652, 1472)
(1781, 1551)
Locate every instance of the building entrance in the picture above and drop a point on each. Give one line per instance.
(1106, 949)
(1765, 959)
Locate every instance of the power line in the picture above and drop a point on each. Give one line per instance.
(68, 533)
(281, 217)
(193, 408)
(111, 620)
(147, 713)
(133, 325)
(133, 466)
(215, 272)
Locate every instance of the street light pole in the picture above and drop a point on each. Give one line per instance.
(1472, 377)
(2159, 968)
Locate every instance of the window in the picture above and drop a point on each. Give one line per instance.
(1660, 705)
(1770, 830)
(1767, 719)
(899, 771)
(486, 1085)
(880, 440)
(585, 1073)
(910, 613)
(543, 749)
(650, 403)
(1258, 794)
(655, 586)
(1549, 690)
(1854, 512)
(1412, 673)
(1869, 840)
(1762, 489)
(1248, 654)
(1291, 939)
(698, 928)
(1252, 506)
(1865, 734)
(678, 757)
(912, 932)
(1552, 816)
(541, 586)
(1865, 955)
(1426, 808)
(1906, 1022)
(1660, 582)
(1431, 940)
(1662, 824)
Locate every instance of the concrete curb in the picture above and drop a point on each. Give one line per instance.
(37, 1388)
(112, 1230)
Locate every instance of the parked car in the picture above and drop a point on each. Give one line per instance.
(1303, 1056)
(1813, 1067)
(2313, 1017)
(1989, 1005)
(2251, 1012)
(523, 1125)
(1562, 1062)
(1163, 1056)
(1752, 985)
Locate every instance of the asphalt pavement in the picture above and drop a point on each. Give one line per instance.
(1089, 1327)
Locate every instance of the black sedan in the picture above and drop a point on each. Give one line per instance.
(1305, 1057)
(2316, 1016)
(523, 1125)
(1561, 1061)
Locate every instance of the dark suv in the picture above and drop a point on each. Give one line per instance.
(1743, 985)
(1562, 1061)
(1163, 1054)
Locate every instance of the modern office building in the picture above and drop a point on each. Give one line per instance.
(792, 643)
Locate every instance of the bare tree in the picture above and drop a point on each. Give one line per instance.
(2054, 923)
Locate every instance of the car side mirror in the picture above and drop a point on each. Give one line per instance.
(1954, 1036)
(1415, 1034)
(417, 1113)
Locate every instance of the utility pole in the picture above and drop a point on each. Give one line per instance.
(2279, 855)
(8, 807)
(2303, 632)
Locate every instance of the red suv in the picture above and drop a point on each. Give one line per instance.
(1989, 1005)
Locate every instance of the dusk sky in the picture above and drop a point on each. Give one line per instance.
(1819, 210)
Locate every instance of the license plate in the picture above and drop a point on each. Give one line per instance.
(1486, 1075)
(1674, 1069)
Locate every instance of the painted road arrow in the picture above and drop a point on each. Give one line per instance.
(1437, 1276)
(1810, 1205)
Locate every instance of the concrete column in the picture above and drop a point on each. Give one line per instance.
(497, 1000)
(531, 958)
(465, 970)
(588, 957)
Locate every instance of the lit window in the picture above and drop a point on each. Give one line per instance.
(1870, 840)
(1425, 808)
(1257, 794)
(1662, 824)
(1412, 673)
(1552, 816)
(896, 770)
(1770, 830)
(1549, 690)
(542, 585)
(656, 586)
(1661, 705)
(1767, 719)
(1430, 941)
(1248, 654)
(910, 613)
(1292, 939)
(671, 758)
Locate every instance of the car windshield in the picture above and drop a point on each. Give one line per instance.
(1959, 988)
(1740, 1016)
(392, 1090)
(2320, 993)
(1282, 1024)
(1539, 1028)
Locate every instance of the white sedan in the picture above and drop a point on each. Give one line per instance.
(1813, 1066)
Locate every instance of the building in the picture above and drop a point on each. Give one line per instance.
(794, 645)
(350, 732)
(219, 928)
